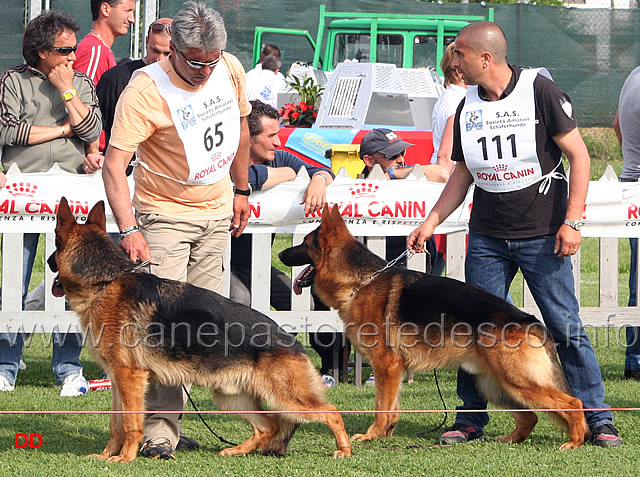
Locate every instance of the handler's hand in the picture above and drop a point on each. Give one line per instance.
(136, 246)
(419, 237)
(567, 241)
(241, 214)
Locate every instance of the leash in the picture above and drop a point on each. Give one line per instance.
(399, 259)
(222, 439)
(423, 434)
(142, 265)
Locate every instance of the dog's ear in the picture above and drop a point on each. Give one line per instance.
(96, 216)
(64, 216)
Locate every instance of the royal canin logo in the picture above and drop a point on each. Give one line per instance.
(21, 189)
(364, 189)
(500, 167)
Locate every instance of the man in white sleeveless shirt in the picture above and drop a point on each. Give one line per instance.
(185, 116)
(509, 134)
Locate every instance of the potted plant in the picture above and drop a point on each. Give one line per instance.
(305, 111)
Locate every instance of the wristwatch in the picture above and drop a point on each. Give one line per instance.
(69, 94)
(246, 192)
(574, 224)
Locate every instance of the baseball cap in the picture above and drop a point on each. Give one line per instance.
(384, 141)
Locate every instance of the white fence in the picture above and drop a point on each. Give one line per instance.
(301, 318)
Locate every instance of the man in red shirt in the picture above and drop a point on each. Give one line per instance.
(111, 19)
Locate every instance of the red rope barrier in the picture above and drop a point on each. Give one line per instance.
(406, 411)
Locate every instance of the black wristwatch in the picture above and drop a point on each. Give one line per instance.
(246, 192)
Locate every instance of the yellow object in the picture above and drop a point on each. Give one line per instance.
(347, 156)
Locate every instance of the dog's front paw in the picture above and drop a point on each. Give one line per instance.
(343, 452)
(362, 437)
(98, 456)
(122, 459)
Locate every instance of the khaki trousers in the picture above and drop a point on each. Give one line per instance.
(191, 252)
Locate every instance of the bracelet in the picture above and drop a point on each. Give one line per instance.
(128, 231)
(61, 131)
(246, 192)
(390, 172)
(326, 181)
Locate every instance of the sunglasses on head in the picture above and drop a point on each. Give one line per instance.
(65, 50)
(200, 64)
(160, 27)
(391, 157)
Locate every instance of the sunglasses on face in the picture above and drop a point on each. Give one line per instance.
(197, 65)
(160, 27)
(389, 157)
(65, 50)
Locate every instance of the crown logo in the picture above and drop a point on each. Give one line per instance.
(500, 167)
(364, 189)
(18, 189)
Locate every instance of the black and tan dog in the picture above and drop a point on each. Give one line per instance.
(172, 332)
(406, 319)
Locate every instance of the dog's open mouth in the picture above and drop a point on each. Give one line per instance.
(305, 279)
(57, 289)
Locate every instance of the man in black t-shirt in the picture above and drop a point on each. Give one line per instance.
(510, 132)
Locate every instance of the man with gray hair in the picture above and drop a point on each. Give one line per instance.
(186, 116)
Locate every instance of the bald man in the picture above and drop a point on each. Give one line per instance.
(509, 134)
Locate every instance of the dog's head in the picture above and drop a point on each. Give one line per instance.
(319, 248)
(69, 241)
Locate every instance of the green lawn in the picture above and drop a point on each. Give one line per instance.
(68, 438)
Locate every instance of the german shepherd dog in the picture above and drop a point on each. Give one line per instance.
(407, 319)
(153, 329)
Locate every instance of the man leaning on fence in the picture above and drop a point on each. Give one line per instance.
(48, 115)
(531, 224)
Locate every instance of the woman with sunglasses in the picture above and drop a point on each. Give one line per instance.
(48, 114)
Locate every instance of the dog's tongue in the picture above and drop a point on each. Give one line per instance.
(57, 289)
(301, 280)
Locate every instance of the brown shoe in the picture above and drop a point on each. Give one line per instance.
(631, 374)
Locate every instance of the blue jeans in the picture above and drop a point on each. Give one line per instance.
(632, 359)
(66, 346)
(491, 264)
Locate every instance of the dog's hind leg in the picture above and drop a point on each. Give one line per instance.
(388, 371)
(130, 385)
(298, 387)
(264, 427)
(525, 422)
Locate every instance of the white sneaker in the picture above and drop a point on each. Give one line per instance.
(4, 384)
(371, 381)
(74, 385)
(329, 381)
(21, 365)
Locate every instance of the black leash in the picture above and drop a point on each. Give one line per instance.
(222, 439)
(444, 406)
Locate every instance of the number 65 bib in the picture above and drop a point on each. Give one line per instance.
(499, 138)
(207, 121)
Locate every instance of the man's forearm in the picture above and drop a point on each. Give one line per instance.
(117, 187)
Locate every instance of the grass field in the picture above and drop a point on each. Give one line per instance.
(66, 439)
